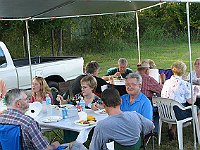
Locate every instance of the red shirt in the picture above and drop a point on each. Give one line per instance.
(44, 99)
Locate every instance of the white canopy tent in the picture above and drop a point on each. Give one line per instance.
(48, 9)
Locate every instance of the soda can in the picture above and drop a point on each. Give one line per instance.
(64, 113)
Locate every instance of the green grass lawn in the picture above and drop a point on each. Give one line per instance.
(163, 55)
(188, 141)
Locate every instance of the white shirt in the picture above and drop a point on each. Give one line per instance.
(176, 88)
(194, 76)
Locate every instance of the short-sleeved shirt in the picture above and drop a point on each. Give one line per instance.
(96, 99)
(150, 86)
(32, 138)
(194, 75)
(123, 128)
(177, 89)
(141, 104)
(113, 70)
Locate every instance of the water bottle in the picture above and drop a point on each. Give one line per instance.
(48, 105)
(82, 103)
(64, 113)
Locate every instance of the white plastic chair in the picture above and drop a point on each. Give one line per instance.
(167, 114)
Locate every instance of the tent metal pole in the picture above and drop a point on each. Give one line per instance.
(190, 53)
(28, 47)
(138, 36)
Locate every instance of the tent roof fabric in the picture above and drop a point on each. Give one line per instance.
(45, 9)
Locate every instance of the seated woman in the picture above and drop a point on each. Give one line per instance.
(2, 89)
(40, 89)
(178, 89)
(88, 86)
(196, 73)
(92, 101)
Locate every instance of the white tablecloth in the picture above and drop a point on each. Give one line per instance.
(68, 124)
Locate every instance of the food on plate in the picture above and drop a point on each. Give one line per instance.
(91, 118)
(84, 122)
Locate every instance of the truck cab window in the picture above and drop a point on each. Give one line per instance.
(3, 62)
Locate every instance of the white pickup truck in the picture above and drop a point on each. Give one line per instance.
(16, 72)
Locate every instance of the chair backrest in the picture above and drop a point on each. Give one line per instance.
(168, 73)
(136, 146)
(167, 109)
(54, 93)
(10, 137)
(66, 87)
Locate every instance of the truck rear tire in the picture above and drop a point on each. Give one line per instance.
(53, 84)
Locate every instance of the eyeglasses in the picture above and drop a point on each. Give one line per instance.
(131, 84)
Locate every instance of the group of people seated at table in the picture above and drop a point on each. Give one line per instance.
(140, 88)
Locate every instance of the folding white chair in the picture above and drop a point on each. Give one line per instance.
(167, 113)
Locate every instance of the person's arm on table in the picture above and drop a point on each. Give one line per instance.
(61, 100)
(53, 146)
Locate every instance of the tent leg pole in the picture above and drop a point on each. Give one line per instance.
(28, 48)
(138, 37)
(190, 52)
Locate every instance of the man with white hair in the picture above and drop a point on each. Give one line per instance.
(135, 100)
(32, 139)
(120, 71)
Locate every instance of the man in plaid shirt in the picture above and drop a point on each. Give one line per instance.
(149, 84)
(32, 139)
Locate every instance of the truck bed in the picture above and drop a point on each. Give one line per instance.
(40, 59)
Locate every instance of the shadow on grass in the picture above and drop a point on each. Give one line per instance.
(188, 141)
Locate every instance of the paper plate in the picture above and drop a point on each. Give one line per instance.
(101, 112)
(67, 105)
(77, 122)
(34, 109)
(119, 82)
(49, 119)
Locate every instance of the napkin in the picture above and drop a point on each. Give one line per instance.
(34, 109)
(82, 115)
(155, 74)
(2, 106)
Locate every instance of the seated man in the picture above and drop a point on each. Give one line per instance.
(149, 84)
(135, 100)
(91, 68)
(121, 127)
(120, 71)
(17, 103)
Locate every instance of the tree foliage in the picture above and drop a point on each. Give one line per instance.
(101, 33)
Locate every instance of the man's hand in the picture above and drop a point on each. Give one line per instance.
(53, 146)
(117, 74)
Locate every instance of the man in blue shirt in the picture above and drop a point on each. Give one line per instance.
(135, 100)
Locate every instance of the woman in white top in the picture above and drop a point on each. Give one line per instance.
(196, 73)
(178, 89)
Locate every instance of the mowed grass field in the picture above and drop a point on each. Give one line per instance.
(163, 55)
